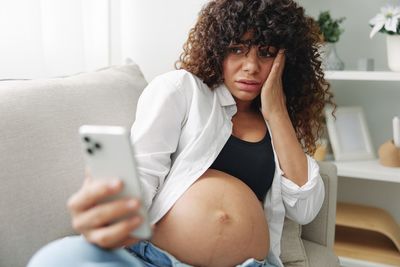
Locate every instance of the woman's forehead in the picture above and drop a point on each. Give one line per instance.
(250, 38)
(249, 35)
(247, 38)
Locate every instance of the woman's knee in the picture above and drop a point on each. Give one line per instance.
(76, 251)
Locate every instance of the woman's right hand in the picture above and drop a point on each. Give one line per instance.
(97, 221)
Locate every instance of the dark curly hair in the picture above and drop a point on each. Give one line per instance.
(281, 23)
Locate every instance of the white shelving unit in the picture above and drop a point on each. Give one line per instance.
(349, 262)
(363, 75)
(365, 169)
(368, 169)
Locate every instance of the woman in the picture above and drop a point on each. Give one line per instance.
(220, 146)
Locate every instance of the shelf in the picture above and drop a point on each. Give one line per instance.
(351, 262)
(367, 233)
(365, 246)
(368, 169)
(363, 75)
(369, 218)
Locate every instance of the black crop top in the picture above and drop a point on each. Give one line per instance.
(251, 162)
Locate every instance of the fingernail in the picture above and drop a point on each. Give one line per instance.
(114, 183)
(136, 220)
(132, 204)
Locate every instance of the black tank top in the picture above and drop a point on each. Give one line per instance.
(251, 162)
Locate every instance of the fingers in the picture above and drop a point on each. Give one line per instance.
(128, 242)
(92, 192)
(279, 62)
(104, 214)
(115, 235)
(278, 66)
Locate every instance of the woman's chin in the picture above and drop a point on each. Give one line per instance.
(246, 95)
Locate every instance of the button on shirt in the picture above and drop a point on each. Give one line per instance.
(181, 126)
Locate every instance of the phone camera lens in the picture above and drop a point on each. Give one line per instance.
(97, 145)
(89, 151)
(87, 139)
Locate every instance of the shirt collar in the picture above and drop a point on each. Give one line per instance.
(224, 96)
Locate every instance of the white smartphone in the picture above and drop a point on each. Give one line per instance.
(109, 153)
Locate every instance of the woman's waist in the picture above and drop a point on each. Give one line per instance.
(217, 221)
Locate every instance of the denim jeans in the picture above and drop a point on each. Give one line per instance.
(76, 251)
(152, 256)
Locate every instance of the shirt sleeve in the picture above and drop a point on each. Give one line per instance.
(155, 133)
(303, 203)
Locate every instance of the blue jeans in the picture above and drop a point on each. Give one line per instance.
(152, 256)
(76, 251)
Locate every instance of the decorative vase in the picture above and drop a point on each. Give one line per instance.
(320, 152)
(330, 58)
(389, 154)
(393, 52)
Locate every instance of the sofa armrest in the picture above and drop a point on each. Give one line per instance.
(322, 229)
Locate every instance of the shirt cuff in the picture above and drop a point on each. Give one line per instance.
(291, 192)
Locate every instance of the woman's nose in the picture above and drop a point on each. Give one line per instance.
(251, 61)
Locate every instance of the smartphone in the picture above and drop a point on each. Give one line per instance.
(108, 153)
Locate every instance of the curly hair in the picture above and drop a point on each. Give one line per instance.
(281, 23)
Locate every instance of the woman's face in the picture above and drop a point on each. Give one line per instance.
(245, 71)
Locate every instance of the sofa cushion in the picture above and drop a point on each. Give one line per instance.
(319, 255)
(292, 249)
(41, 161)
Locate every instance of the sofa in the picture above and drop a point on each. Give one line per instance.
(41, 163)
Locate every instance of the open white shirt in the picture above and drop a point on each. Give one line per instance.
(180, 128)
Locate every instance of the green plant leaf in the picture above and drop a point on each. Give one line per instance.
(329, 27)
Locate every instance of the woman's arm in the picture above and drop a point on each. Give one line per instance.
(302, 186)
(291, 156)
(155, 133)
(303, 203)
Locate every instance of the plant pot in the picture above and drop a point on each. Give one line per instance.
(393, 52)
(330, 58)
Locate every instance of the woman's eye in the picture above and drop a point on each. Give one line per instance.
(267, 51)
(237, 50)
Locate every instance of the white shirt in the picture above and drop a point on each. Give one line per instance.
(180, 128)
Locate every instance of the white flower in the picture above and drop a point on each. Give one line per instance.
(389, 18)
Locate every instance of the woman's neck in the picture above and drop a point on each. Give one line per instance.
(244, 106)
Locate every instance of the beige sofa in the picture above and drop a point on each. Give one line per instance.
(41, 162)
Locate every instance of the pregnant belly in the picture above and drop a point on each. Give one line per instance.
(218, 221)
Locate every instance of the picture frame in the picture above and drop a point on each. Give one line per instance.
(348, 134)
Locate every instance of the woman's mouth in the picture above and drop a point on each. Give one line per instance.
(248, 85)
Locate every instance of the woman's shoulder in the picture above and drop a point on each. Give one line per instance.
(176, 77)
(180, 80)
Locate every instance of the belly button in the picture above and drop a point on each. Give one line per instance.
(223, 217)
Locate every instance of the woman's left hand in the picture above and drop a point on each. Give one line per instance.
(273, 100)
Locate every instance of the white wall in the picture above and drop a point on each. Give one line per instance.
(14, 33)
(354, 43)
(54, 38)
(46, 38)
(160, 29)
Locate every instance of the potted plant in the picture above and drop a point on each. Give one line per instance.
(330, 33)
(388, 22)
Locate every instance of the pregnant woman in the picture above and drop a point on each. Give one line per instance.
(222, 148)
